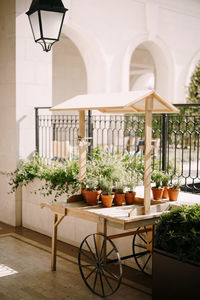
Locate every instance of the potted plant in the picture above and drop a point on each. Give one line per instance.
(165, 184)
(107, 195)
(90, 190)
(130, 187)
(119, 193)
(157, 178)
(173, 191)
(176, 254)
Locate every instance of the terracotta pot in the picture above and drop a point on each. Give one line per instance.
(173, 194)
(139, 201)
(91, 197)
(130, 198)
(165, 193)
(83, 193)
(157, 193)
(119, 199)
(107, 200)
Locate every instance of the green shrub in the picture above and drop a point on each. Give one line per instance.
(178, 232)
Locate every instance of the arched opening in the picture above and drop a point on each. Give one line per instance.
(69, 79)
(142, 69)
(150, 66)
(68, 72)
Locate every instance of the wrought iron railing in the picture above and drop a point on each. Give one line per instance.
(175, 139)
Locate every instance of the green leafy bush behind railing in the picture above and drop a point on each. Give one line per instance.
(178, 232)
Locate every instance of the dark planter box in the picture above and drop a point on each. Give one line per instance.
(174, 279)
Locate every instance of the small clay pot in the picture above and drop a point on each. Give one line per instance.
(173, 194)
(91, 197)
(119, 199)
(157, 193)
(83, 194)
(107, 200)
(130, 198)
(165, 193)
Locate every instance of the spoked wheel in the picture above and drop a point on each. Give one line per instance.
(100, 264)
(142, 251)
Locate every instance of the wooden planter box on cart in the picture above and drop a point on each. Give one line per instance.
(174, 279)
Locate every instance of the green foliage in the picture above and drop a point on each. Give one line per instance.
(58, 177)
(62, 177)
(178, 232)
(175, 185)
(157, 177)
(165, 179)
(130, 181)
(115, 167)
(194, 86)
(135, 164)
(26, 172)
(106, 186)
(119, 187)
(90, 183)
(106, 165)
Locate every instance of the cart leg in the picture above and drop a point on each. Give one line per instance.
(54, 239)
(101, 228)
(56, 222)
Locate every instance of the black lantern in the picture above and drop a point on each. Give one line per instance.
(46, 18)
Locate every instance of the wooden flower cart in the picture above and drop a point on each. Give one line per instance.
(99, 261)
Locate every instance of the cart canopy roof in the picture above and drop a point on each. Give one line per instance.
(126, 102)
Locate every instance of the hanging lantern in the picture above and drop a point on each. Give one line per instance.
(46, 19)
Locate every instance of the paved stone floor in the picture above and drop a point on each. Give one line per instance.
(25, 271)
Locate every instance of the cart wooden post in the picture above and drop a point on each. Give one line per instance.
(82, 146)
(148, 149)
(101, 228)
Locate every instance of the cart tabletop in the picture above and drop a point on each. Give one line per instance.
(116, 216)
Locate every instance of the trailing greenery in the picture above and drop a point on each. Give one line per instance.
(62, 177)
(58, 177)
(178, 232)
(194, 86)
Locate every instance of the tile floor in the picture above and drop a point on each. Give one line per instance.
(25, 271)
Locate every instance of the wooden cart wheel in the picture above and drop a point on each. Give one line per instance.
(142, 251)
(100, 264)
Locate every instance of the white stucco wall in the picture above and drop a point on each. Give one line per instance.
(33, 80)
(8, 125)
(26, 82)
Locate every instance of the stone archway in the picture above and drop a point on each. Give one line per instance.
(92, 54)
(68, 71)
(160, 64)
(142, 69)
